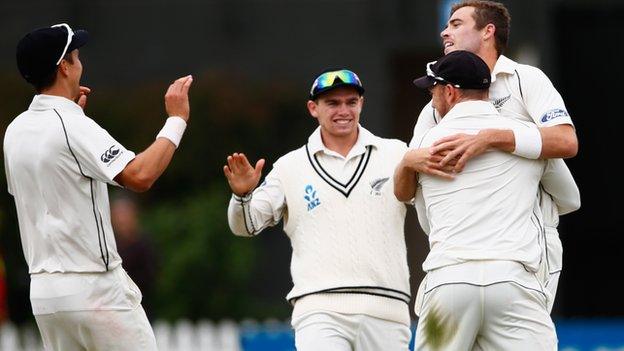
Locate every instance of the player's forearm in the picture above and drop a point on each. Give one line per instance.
(246, 218)
(405, 182)
(141, 173)
(558, 182)
(559, 141)
(501, 139)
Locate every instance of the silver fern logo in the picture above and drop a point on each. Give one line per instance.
(498, 103)
(377, 184)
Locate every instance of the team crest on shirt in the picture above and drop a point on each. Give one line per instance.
(110, 154)
(311, 197)
(552, 114)
(498, 103)
(377, 184)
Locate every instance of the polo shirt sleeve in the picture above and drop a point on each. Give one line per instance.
(264, 207)
(7, 173)
(557, 181)
(543, 101)
(427, 119)
(98, 154)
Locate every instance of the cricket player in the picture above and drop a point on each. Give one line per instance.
(335, 196)
(482, 290)
(520, 92)
(58, 163)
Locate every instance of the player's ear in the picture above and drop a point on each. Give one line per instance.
(450, 93)
(488, 31)
(312, 108)
(63, 67)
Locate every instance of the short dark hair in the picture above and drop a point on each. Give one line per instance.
(476, 94)
(49, 79)
(487, 12)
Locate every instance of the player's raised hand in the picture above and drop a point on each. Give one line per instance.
(242, 177)
(82, 97)
(176, 98)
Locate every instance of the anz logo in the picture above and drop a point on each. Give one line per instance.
(110, 154)
(311, 198)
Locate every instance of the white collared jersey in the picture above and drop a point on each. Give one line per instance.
(486, 211)
(57, 163)
(520, 92)
(345, 225)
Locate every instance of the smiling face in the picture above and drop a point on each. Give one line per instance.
(338, 112)
(461, 32)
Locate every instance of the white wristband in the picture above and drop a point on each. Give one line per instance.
(528, 142)
(173, 130)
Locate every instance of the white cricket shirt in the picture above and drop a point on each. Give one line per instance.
(58, 162)
(486, 211)
(523, 93)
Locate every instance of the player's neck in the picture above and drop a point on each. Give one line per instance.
(339, 144)
(490, 56)
(59, 90)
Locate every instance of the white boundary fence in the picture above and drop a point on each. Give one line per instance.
(183, 335)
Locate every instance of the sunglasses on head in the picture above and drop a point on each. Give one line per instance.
(328, 79)
(70, 35)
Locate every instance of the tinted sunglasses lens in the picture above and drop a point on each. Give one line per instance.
(329, 79)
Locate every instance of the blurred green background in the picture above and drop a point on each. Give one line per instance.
(253, 62)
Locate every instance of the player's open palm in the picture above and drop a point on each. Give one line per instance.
(176, 98)
(241, 175)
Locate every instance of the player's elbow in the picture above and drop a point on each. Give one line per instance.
(571, 147)
(239, 231)
(568, 146)
(138, 181)
(568, 142)
(402, 194)
(573, 205)
(141, 185)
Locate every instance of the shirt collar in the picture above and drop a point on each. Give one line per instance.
(470, 108)
(503, 65)
(365, 138)
(47, 102)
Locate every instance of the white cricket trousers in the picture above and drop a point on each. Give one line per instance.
(97, 330)
(500, 316)
(330, 331)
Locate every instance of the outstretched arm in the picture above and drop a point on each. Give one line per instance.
(250, 211)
